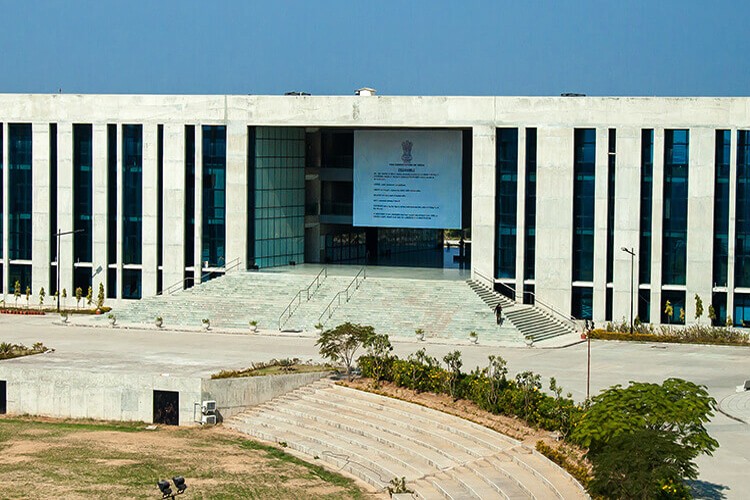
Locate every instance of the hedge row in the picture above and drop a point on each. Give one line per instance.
(715, 336)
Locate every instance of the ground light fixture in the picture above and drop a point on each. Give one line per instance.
(166, 489)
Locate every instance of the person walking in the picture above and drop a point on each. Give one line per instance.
(499, 313)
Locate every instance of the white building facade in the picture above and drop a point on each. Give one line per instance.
(564, 198)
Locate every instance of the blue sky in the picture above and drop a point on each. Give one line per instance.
(460, 47)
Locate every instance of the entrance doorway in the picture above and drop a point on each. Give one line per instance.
(3, 397)
(167, 407)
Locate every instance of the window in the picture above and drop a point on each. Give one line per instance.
(647, 188)
(675, 207)
(506, 199)
(530, 206)
(583, 204)
(214, 195)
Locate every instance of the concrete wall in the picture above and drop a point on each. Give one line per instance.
(233, 395)
(63, 393)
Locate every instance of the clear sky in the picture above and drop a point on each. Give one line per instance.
(421, 47)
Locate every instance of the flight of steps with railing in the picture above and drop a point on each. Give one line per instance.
(534, 323)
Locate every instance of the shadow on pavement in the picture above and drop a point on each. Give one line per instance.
(710, 491)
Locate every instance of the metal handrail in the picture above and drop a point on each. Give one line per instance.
(298, 297)
(337, 298)
(564, 318)
(180, 285)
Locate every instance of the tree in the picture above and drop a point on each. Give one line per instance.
(682, 315)
(64, 295)
(41, 296)
(698, 307)
(529, 383)
(341, 343)
(712, 313)
(79, 295)
(642, 465)
(89, 296)
(100, 296)
(669, 311)
(28, 295)
(17, 291)
(454, 363)
(379, 348)
(676, 410)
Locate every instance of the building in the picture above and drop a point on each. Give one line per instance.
(556, 191)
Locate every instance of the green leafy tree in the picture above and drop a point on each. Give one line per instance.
(496, 373)
(17, 291)
(28, 295)
(100, 296)
(682, 315)
(669, 311)
(89, 296)
(698, 306)
(454, 363)
(341, 343)
(379, 348)
(42, 294)
(676, 409)
(79, 296)
(529, 383)
(646, 464)
(712, 313)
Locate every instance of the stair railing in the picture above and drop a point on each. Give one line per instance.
(180, 285)
(346, 293)
(566, 319)
(297, 300)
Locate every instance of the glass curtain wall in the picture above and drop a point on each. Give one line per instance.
(19, 204)
(506, 198)
(742, 224)
(213, 241)
(189, 243)
(132, 209)
(647, 198)
(278, 208)
(112, 211)
(584, 164)
(53, 208)
(611, 164)
(530, 206)
(83, 192)
(676, 160)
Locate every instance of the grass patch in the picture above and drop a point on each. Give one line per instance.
(90, 459)
(9, 351)
(689, 335)
(274, 367)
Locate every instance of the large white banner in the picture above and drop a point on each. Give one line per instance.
(407, 178)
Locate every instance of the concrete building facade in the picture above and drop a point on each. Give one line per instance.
(586, 204)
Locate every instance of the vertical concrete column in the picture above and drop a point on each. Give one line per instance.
(483, 201)
(731, 244)
(657, 219)
(40, 207)
(520, 213)
(601, 193)
(700, 221)
(198, 242)
(99, 209)
(627, 221)
(554, 217)
(120, 206)
(6, 207)
(236, 194)
(65, 207)
(174, 204)
(150, 208)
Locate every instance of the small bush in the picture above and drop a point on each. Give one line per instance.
(566, 461)
(693, 334)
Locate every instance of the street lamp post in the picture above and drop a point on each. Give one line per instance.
(61, 233)
(632, 256)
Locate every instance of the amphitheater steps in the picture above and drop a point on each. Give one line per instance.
(378, 439)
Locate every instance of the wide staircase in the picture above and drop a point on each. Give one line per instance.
(378, 439)
(533, 322)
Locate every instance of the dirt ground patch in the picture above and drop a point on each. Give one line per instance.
(87, 460)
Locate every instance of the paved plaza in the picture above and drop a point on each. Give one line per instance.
(721, 369)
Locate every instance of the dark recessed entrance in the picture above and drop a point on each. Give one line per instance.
(167, 407)
(3, 397)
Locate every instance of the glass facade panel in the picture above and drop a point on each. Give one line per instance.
(742, 228)
(719, 301)
(611, 161)
(742, 310)
(721, 207)
(52, 201)
(2, 202)
(131, 283)
(159, 201)
(647, 195)
(214, 195)
(583, 204)
(676, 300)
(83, 192)
(583, 302)
(675, 206)
(189, 245)
(529, 250)
(278, 211)
(644, 305)
(132, 194)
(19, 197)
(22, 274)
(111, 195)
(506, 198)
(346, 247)
(82, 280)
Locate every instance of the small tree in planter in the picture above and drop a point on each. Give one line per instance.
(712, 314)
(253, 325)
(206, 323)
(79, 296)
(41, 297)
(318, 328)
(28, 295)
(669, 311)
(112, 319)
(158, 321)
(17, 291)
(64, 316)
(698, 307)
(100, 297)
(89, 297)
(64, 297)
(473, 337)
(419, 333)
